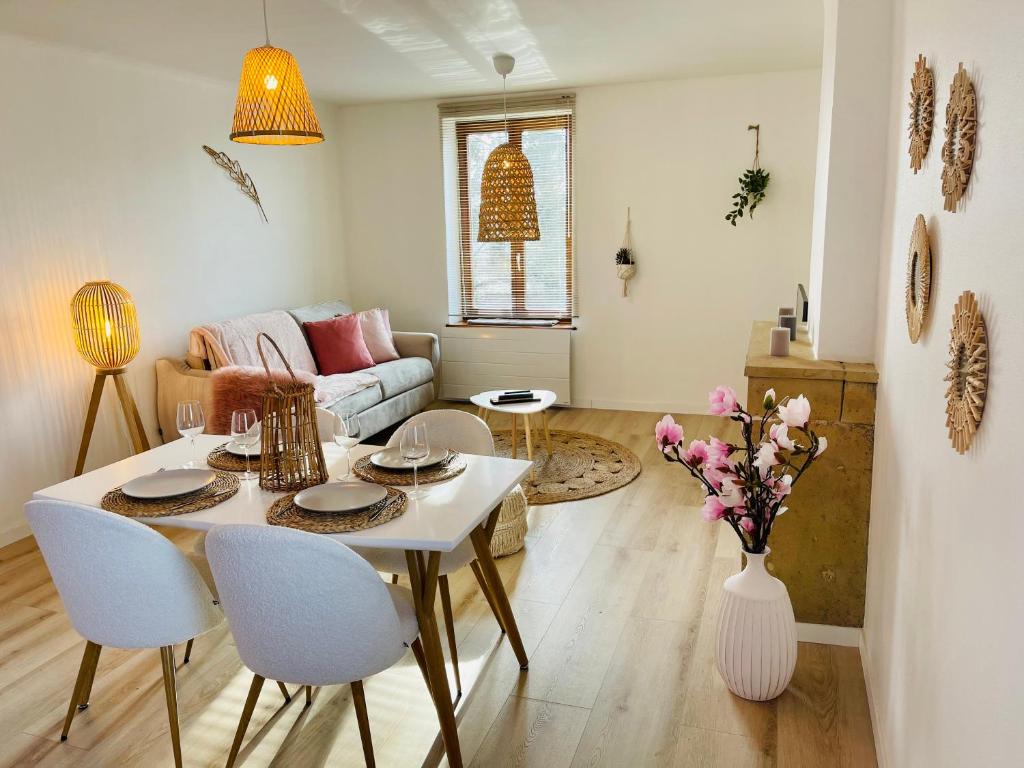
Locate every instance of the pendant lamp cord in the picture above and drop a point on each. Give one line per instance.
(504, 102)
(266, 27)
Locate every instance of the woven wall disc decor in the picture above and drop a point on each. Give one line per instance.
(968, 372)
(919, 279)
(961, 130)
(922, 112)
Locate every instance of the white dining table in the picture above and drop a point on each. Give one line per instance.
(441, 517)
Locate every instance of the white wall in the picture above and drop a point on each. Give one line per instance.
(945, 602)
(850, 177)
(671, 150)
(102, 175)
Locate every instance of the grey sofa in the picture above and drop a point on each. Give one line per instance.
(406, 386)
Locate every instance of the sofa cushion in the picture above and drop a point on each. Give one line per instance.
(338, 345)
(400, 376)
(322, 311)
(376, 325)
(358, 402)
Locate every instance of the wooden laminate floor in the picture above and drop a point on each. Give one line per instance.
(616, 598)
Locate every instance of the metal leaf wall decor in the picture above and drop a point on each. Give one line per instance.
(240, 177)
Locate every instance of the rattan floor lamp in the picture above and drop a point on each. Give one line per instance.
(107, 336)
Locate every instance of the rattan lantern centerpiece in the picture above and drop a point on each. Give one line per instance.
(106, 328)
(273, 105)
(508, 203)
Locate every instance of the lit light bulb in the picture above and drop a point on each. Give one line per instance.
(270, 82)
(106, 327)
(506, 164)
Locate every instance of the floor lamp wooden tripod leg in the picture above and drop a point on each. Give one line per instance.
(131, 414)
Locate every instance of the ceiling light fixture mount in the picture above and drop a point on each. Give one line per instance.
(273, 105)
(508, 203)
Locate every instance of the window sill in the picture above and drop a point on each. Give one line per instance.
(562, 325)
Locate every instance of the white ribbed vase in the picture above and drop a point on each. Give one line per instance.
(756, 650)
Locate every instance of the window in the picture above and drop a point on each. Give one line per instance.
(531, 280)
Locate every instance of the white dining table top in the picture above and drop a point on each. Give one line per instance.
(438, 521)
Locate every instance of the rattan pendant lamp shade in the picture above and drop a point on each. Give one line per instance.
(508, 203)
(273, 105)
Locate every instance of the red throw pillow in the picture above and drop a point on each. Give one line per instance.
(338, 345)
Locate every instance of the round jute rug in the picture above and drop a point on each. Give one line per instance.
(582, 465)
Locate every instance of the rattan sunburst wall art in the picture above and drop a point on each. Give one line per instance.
(919, 279)
(968, 372)
(922, 112)
(961, 130)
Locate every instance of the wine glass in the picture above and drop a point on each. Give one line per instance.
(191, 423)
(415, 448)
(245, 430)
(346, 434)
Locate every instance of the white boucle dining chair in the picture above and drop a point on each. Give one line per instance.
(306, 609)
(123, 585)
(466, 433)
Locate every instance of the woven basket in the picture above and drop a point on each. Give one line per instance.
(292, 457)
(510, 532)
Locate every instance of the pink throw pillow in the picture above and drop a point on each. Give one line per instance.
(377, 334)
(338, 345)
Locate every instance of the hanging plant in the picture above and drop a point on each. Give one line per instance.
(753, 184)
(625, 265)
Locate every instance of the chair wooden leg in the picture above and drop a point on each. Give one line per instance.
(83, 703)
(284, 692)
(167, 657)
(394, 578)
(449, 625)
(421, 662)
(188, 651)
(359, 699)
(309, 695)
(528, 431)
(86, 671)
(243, 723)
(487, 593)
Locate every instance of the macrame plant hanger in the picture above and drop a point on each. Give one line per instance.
(756, 128)
(627, 271)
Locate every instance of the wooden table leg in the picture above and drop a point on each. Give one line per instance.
(515, 449)
(529, 441)
(547, 432)
(482, 413)
(481, 545)
(423, 578)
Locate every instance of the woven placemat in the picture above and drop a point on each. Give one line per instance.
(285, 512)
(221, 458)
(221, 489)
(453, 465)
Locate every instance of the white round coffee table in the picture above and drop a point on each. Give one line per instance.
(546, 399)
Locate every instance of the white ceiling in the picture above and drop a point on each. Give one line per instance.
(373, 50)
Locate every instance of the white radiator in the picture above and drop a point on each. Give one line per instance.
(478, 358)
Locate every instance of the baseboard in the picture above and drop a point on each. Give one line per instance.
(653, 406)
(876, 727)
(827, 634)
(15, 533)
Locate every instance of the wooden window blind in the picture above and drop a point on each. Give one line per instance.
(531, 280)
